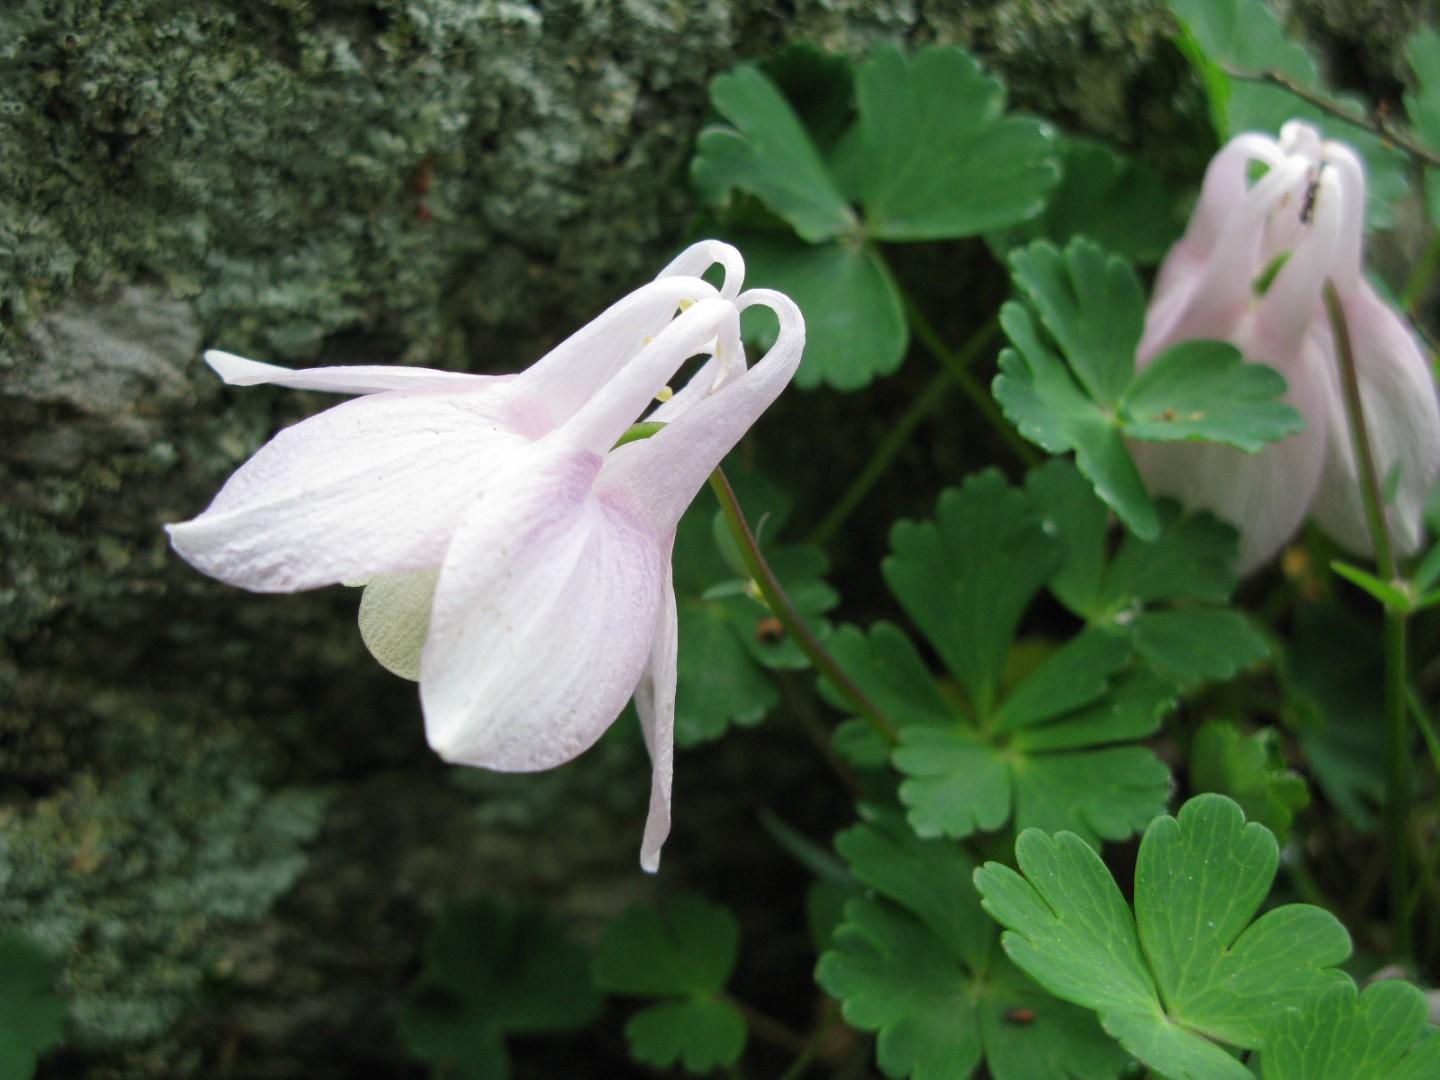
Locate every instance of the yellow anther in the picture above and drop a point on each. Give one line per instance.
(685, 304)
(664, 394)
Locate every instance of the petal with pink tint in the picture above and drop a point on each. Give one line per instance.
(1403, 419)
(556, 386)
(372, 486)
(350, 379)
(664, 472)
(655, 702)
(543, 618)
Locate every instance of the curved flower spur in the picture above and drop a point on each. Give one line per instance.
(516, 560)
(1250, 270)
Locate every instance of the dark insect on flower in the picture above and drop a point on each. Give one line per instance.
(1019, 1016)
(1307, 209)
(769, 630)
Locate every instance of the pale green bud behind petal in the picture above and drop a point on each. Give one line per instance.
(395, 618)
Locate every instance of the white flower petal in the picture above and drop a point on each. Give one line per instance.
(617, 404)
(699, 257)
(351, 379)
(1209, 298)
(376, 485)
(663, 473)
(557, 385)
(1403, 419)
(655, 702)
(395, 618)
(543, 618)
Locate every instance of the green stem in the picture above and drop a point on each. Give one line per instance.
(1397, 730)
(1397, 782)
(1360, 437)
(885, 454)
(956, 364)
(784, 610)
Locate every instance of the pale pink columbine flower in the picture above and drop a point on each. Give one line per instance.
(517, 562)
(1306, 216)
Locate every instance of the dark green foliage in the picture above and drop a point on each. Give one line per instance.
(918, 964)
(492, 970)
(683, 955)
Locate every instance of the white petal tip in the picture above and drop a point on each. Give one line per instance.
(238, 371)
(650, 862)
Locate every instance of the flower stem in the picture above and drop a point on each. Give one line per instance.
(1397, 730)
(957, 364)
(784, 610)
(1360, 436)
(884, 456)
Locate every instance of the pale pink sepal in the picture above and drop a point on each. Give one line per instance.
(1401, 412)
(655, 704)
(663, 473)
(566, 378)
(543, 618)
(349, 379)
(372, 486)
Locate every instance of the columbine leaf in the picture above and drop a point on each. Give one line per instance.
(1190, 944)
(690, 948)
(1092, 307)
(855, 326)
(1120, 203)
(940, 157)
(1249, 769)
(1040, 397)
(966, 578)
(1078, 673)
(1071, 513)
(927, 977)
(684, 954)
(32, 1015)
(1382, 1034)
(887, 667)
(491, 970)
(437, 1026)
(1196, 645)
(515, 968)
(1033, 748)
(1190, 559)
(1226, 37)
(768, 154)
(700, 1033)
(1205, 390)
(957, 782)
(1105, 794)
